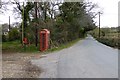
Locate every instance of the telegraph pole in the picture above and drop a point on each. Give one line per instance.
(36, 30)
(23, 25)
(9, 23)
(99, 24)
(9, 28)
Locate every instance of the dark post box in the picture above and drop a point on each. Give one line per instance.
(25, 41)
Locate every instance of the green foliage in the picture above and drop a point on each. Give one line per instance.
(71, 15)
(16, 46)
(14, 34)
(11, 46)
(63, 46)
(4, 39)
(108, 36)
(71, 22)
(113, 42)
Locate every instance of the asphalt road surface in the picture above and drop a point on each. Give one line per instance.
(86, 59)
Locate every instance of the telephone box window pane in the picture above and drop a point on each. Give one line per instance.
(43, 41)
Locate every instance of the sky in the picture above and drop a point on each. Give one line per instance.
(109, 18)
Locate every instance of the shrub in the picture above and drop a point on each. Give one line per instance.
(14, 35)
(4, 39)
(113, 42)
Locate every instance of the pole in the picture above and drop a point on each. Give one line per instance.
(9, 23)
(99, 24)
(9, 28)
(23, 28)
(23, 25)
(36, 31)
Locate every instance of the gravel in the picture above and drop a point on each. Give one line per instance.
(18, 65)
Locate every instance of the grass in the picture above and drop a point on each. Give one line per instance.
(11, 46)
(15, 46)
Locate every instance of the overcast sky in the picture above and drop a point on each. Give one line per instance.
(110, 12)
(109, 18)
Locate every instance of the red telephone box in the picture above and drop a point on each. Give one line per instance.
(44, 39)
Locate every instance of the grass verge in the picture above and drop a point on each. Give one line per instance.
(63, 46)
(112, 42)
(15, 46)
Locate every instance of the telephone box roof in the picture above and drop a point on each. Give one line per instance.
(46, 30)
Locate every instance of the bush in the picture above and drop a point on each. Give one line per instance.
(14, 35)
(4, 39)
(113, 42)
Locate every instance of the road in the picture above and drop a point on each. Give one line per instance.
(86, 59)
